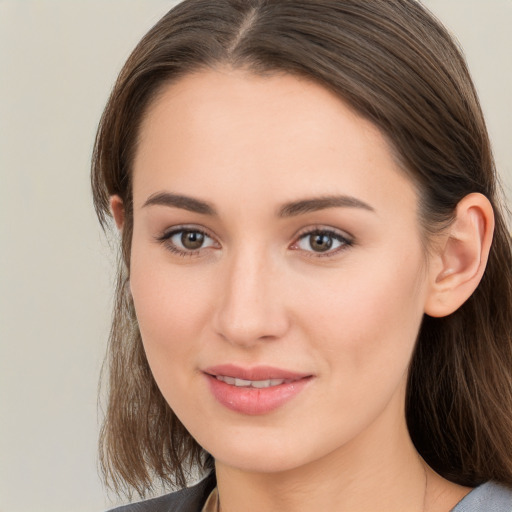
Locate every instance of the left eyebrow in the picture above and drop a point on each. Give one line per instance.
(321, 203)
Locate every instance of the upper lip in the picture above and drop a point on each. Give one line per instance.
(255, 373)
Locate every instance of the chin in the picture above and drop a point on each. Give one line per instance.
(260, 453)
(259, 462)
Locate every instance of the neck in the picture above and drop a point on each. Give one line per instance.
(380, 470)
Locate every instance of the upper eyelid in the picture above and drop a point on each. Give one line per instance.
(324, 229)
(167, 233)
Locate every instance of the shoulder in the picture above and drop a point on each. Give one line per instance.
(488, 497)
(190, 499)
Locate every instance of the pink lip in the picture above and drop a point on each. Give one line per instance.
(256, 373)
(254, 401)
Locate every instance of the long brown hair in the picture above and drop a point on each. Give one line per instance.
(396, 65)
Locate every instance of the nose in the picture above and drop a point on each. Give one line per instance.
(251, 306)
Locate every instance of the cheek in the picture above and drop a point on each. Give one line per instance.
(170, 305)
(368, 316)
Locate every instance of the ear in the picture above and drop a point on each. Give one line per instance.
(456, 268)
(117, 208)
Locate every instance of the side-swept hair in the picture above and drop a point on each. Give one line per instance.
(396, 65)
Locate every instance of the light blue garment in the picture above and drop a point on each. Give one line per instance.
(488, 497)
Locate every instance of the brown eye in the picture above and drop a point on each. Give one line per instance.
(187, 242)
(320, 242)
(192, 240)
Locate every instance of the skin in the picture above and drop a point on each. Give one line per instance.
(257, 293)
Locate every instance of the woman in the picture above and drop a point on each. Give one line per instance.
(314, 295)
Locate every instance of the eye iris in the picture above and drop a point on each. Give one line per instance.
(320, 242)
(192, 240)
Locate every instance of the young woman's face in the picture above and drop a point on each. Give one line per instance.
(277, 269)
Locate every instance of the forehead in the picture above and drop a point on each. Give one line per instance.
(276, 135)
(220, 102)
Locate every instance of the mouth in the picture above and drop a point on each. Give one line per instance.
(254, 391)
(258, 384)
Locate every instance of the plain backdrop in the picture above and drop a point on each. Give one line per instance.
(58, 61)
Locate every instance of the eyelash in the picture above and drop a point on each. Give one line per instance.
(165, 240)
(345, 241)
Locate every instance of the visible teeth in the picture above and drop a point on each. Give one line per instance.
(261, 384)
(242, 383)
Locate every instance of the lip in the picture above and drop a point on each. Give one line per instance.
(255, 401)
(255, 373)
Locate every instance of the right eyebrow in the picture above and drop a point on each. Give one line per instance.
(180, 201)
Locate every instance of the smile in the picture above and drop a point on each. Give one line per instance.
(259, 384)
(254, 391)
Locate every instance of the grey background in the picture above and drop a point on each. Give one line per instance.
(58, 61)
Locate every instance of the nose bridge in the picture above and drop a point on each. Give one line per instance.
(250, 308)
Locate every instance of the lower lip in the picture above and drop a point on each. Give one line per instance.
(254, 401)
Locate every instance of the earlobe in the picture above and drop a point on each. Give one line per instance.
(459, 262)
(117, 208)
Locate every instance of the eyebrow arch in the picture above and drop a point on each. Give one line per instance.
(321, 203)
(291, 209)
(180, 201)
